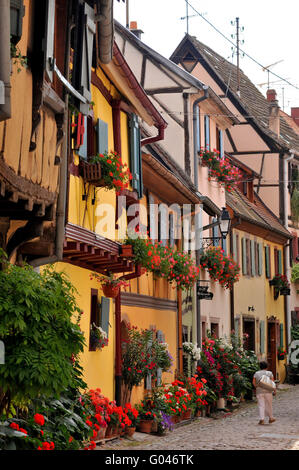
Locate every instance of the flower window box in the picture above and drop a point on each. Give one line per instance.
(91, 173)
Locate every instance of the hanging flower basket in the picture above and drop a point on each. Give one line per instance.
(280, 357)
(91, 173)
(285, 291)
(110, 290)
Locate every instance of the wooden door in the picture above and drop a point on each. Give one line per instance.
(271, 350)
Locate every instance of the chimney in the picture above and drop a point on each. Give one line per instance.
(274, 117)
(135, 30)
(295, 115)
(271, 95)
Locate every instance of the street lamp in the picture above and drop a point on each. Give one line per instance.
(225, 222)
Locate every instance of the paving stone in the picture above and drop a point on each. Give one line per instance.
(230, 431)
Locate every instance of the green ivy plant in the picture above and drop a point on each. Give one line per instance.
(41, 340)
(295, 206)
(17, 57)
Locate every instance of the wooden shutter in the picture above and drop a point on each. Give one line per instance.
(17, 11)
(235, 253)
(135, 155)
(252, 249)
(89, 30)
(83, 149)
(275, 261)
(49, 38)
(207, 131)
(160, 339)
(260, 259)
(221, 144)
(153, 216)
(171, 229)
(279, 261)
(262, 336)
(102, 136)
(105, 309)
(268, 261)
(281, 335)
(148, 379)
(244, 257)
(248, 257)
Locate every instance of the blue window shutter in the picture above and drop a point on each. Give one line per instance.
(102, 136)
(105, 309)
(215, 232)
(252, 248)
(279, 256)
(83, 149)
(135, 155)
(160, 338)
(244, 259)
(262, 336)
(281, 335)
(207, 131)
(235, 250)
(260, 259)
(221, 144)
(198, 143)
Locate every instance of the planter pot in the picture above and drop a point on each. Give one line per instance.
(220, 404)
(197, 413)
(91, 173)
(127, 251)
(154, 427)
(285, 291)
(111, 431)
(101, 434)
(280, 357)
(145, 425)
(186, 415)
(110, 291)
(175, 419)
(272, 283)
(130, 431)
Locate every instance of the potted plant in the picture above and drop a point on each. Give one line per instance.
(220, 168)
(220, 267)
(281, 353)
(281, 285)
(114, 173)
(110, 284)
(98, 337)
(133, 419)
(146, 420)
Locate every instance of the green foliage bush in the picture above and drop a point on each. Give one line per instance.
(40, 339)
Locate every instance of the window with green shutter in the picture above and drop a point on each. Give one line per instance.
(244, 257)
(279, 261)
(17, 12)
(281, 335)
(105, 309)
(135, 155)
(260, 259)
(252, 250)
(268, 261)
(262, 336)
(102, 136)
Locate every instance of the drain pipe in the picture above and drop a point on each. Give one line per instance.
(195, 162)
(5, 65)
(287, 269)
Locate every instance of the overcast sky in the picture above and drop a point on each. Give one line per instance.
(270, 34)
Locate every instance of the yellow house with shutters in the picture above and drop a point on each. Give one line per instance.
(257, 244)
(93, 230)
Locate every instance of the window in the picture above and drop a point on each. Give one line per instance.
(215, 329)
(219, 142)
(135, 155)
(17, 11)
(203, 330)
(278, 261)
(268, 261)
(94, 315)
(207, 131)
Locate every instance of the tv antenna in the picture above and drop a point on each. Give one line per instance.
(268, 67)
(189, 16)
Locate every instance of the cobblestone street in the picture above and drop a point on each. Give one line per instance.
(239, 430)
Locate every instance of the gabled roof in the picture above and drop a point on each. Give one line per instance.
(158, 59)
(256, 212)
(251, 100)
